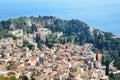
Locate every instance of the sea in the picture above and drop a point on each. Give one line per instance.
(103, 16)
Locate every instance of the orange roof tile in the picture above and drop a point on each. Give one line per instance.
(51, 74)
(99, 56)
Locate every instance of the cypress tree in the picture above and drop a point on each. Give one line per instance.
(96, 57)
(107, 67)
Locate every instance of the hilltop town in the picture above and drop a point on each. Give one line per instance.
(61, 62)
(45, 54)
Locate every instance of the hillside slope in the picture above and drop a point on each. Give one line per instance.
(72, 31)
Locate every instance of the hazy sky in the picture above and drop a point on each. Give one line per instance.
(102, 14)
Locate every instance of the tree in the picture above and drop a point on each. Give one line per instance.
(6, 78)
(39, 45)
(27, 44)
(24, 78)
(97, 57)
(32, 77)
(50, 45)
(33, 28)
(107, 67)
(37, 38)
(13, 78)
(103, 60)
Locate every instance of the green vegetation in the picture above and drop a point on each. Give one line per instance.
(114, 79)
(39, 42)
(27, 44)
(7, 78)
(24, 77)
(74, 31)
(50, 40)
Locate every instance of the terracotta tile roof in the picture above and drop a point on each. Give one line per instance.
(99, 56)
(51, 74)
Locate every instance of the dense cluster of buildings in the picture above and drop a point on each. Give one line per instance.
(61, 62)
